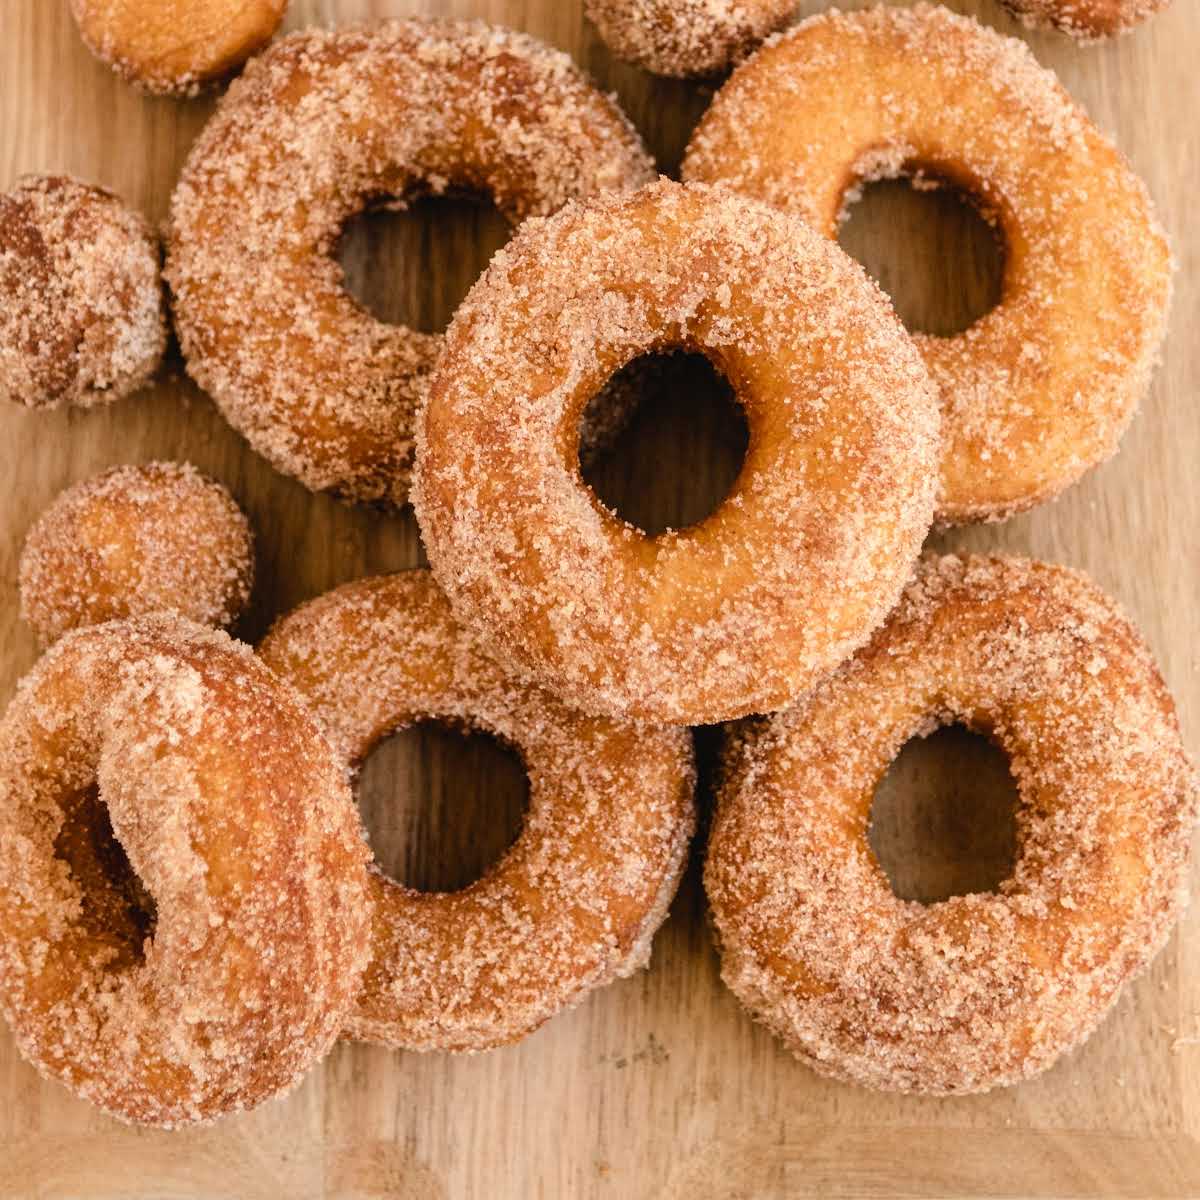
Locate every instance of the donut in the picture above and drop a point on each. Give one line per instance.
(238, 824)
(979, 990)
(133, 541)
(319, 127)
(1040, 388)
(576, 900)
(819, 533)
(683, 38)
(82, 314)
(1087, 21)
(176, 47)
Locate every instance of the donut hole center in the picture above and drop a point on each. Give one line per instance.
(943, 821)
(928, 245)
(412, 266)
(685, 410)
(441, 804)
(115, 907)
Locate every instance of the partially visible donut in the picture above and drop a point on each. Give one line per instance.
(1039, 389)
(82, 315)
(574, 902)
(1086, 21)
(320, 126)
(239, 828)
(160, 537)
(176, 47)
(979, 990)
(683, 38)
(812, 546)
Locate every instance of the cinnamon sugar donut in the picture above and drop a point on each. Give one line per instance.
(576, 900)
(160, 537)
(683, 38)
(1042, 387)
(320, 126)
(175, 47)
(813, 544)
(237, 820)
(979, 990)
(82, 316)
(1086, 21)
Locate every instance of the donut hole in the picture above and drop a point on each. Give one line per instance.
(943, 820)
(684, 410)
(116, 906)
(441, 804)
(412, 266)
(928, 245)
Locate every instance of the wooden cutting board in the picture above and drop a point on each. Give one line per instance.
(658, 1086)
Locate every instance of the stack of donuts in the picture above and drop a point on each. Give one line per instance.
(190, 913)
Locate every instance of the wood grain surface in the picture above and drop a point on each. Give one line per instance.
(658, 1086)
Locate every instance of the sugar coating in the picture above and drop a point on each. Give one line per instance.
(320, 126)
(1040, 388)
(985, 989)
(136, 540)
(576, 900)
(82, 315)
(815, 540)
(684, 38)
(176, 47)
(236, 817)
(1087, 21)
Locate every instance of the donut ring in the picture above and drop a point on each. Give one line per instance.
(235, 815)
(979, 990)
(82, 314)
(318, 127)
(131, 541)
(1042, 387)
(818, 535)
(576, 900)
(176, 47)
(1087, 21)
(683, 38)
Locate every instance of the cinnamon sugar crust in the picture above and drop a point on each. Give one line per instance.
(136, 540)
(1087, 21)
(574, 903)
(979, 990)
(812, 546)
(1041, 388)
(320, 126)
(82, 313)
(683, 38)
(240, 829)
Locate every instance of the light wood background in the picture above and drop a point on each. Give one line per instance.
(658, 1086)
